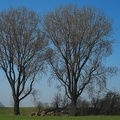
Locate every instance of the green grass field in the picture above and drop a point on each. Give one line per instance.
(7, 114)
(3, 117)
(26, 111)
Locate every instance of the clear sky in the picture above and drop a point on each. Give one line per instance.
(110, 7)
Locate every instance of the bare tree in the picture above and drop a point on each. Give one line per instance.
(39, 105)
(1, 105)
(22, 48)
(56, 103)
(80, 42)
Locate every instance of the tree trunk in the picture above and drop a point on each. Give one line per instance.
(73, 107)
(16, 106)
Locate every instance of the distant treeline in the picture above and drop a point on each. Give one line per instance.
(107, 105)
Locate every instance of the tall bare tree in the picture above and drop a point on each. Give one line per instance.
(56, 103)
(80, 42)
(22, 49)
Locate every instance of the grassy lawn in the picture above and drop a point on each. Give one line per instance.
(25, 111)
(7, 114)
(3, 117)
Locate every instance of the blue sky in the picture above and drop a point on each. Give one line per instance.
(110, 7)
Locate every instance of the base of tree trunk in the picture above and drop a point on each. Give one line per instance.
(16, 107)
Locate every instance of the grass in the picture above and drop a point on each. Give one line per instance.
(7, 114)
(3, 117)
(25, 111)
